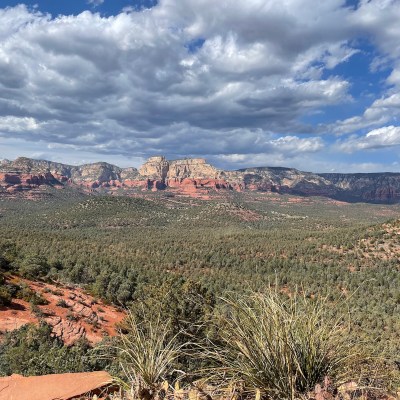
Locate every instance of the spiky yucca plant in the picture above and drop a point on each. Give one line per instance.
(147, 355)
(281, 349)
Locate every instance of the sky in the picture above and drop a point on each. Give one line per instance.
(313, 85)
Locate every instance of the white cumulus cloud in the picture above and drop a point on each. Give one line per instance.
(95, 3)
(189, 77)
(387, 136)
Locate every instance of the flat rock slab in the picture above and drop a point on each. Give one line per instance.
(53, 387)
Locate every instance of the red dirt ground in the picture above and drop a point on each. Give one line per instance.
(79, 316)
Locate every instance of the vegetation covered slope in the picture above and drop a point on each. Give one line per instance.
(118, 246)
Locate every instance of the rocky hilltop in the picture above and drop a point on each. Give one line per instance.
(194, 176)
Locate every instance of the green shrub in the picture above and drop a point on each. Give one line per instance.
(36, 311)
(282, 348)
(62, 303)
(148, 355)
(34, 267)
(189, 307)
(31, 350)
(5, 296)
(24, 292)
(5, 293)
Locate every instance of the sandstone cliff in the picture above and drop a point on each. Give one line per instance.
(25, 173)
(155, 168)
(195, 176)
(192, 168)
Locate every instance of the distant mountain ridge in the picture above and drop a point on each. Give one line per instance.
(194, 176)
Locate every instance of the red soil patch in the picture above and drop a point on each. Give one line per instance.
(15, 316)
(72, 314)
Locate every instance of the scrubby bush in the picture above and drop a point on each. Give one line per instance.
(24, 292)
(5, 296)
(62, 303)
(188, 306)
(31, 350)
(282, 347)
(148, 355)
(34, 267)
(116, 287)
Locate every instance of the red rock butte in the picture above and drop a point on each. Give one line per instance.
(194, 177)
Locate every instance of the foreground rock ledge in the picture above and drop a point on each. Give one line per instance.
(55, 387)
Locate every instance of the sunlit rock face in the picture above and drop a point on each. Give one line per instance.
(193, 168)
(155, 168)
(195, 177)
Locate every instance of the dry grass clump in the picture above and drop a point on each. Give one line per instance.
(147, 353)
(266, 346)
(281, 349)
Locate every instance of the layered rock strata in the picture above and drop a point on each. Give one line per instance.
(195, 175)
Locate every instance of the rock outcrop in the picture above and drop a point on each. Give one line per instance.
(195, 177)
(155, 168)
(192, 168)
(375, 187)
(70, 312)
(57, 386)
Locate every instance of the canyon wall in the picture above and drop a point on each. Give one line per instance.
(195, 175)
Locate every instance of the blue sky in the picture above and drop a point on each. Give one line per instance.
(297, 83)
(75, 7)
